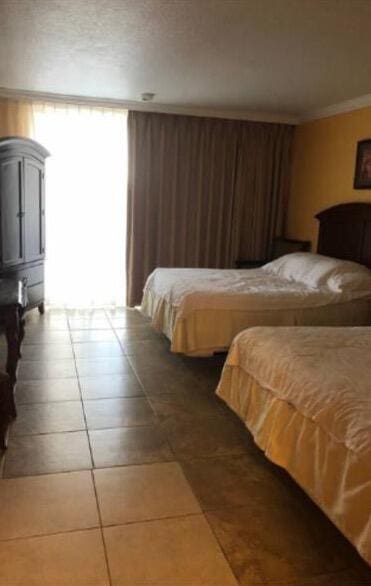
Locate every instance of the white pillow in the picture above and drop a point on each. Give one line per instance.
(316, 270)
(350, 278)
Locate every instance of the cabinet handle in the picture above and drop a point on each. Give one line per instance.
(20, 214)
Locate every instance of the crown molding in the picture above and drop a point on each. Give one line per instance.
(252, 115)
(340, 108)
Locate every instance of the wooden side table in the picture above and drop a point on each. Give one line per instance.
(13, 302)
(242, 263)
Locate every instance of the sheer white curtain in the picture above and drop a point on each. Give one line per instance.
(86, 182)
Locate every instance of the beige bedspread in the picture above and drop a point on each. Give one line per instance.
(305, 394)
(201, 310)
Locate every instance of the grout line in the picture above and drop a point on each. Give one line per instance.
(83, 408)
(92, 474)
(102, 467)
(38, 535)
(101, 527)
(146, 521)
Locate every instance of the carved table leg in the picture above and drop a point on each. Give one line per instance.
(6, 407)
(12, 337)
(21, 332)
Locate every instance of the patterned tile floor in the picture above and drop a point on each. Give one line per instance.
(125, 469)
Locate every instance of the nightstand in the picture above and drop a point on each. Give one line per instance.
(242, 263)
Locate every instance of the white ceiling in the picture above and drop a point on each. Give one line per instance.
(278, 57)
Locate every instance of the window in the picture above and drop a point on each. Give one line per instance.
(86, 183)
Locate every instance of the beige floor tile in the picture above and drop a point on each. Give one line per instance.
(53, 417)
(139, 493)
(126, 318)
(137, 333)
(99, 366)
(94, 350)
(47, 336)
(93, 336)
(39, 505)
(87, 323)
(45, 391)
(120, 412)
(129, 445)
(86, 313)
(110, 386)
(51, 318)
(45, 454)
(55, 326)
(37, 369)
(67, 559)
(45, 352)
(169, 552)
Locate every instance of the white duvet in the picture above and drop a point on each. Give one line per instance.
(251, 289)
(201, 310)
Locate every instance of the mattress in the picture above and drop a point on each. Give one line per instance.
(202, 310)
(305, 394)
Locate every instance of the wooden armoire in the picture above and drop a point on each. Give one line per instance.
(22, 209)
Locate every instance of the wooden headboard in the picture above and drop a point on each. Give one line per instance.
(345, 232)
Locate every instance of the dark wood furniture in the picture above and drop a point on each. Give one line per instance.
(280, 247)
(6, 407)
(242, 263)
(345, 232)
(22, 208)
(13, 303)
(283, 246)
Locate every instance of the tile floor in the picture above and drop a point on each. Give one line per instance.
(124, 469)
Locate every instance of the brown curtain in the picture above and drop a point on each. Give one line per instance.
(16, 118)
(190, 184)
(262, 186)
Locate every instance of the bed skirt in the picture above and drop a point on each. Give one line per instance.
(335, 477)
(204, 332)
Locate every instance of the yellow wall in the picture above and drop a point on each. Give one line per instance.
(323, 169)
(16, 118)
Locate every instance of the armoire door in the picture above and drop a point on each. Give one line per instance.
(34, 210)
(12, 212)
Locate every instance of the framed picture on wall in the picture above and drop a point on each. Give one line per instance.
(362, 175)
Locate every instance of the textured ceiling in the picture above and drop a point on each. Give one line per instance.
(280, 56)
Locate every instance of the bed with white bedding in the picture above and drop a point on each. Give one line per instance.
(202, 310)
(305, 395)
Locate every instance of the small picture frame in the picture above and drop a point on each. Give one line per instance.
(362, 174)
